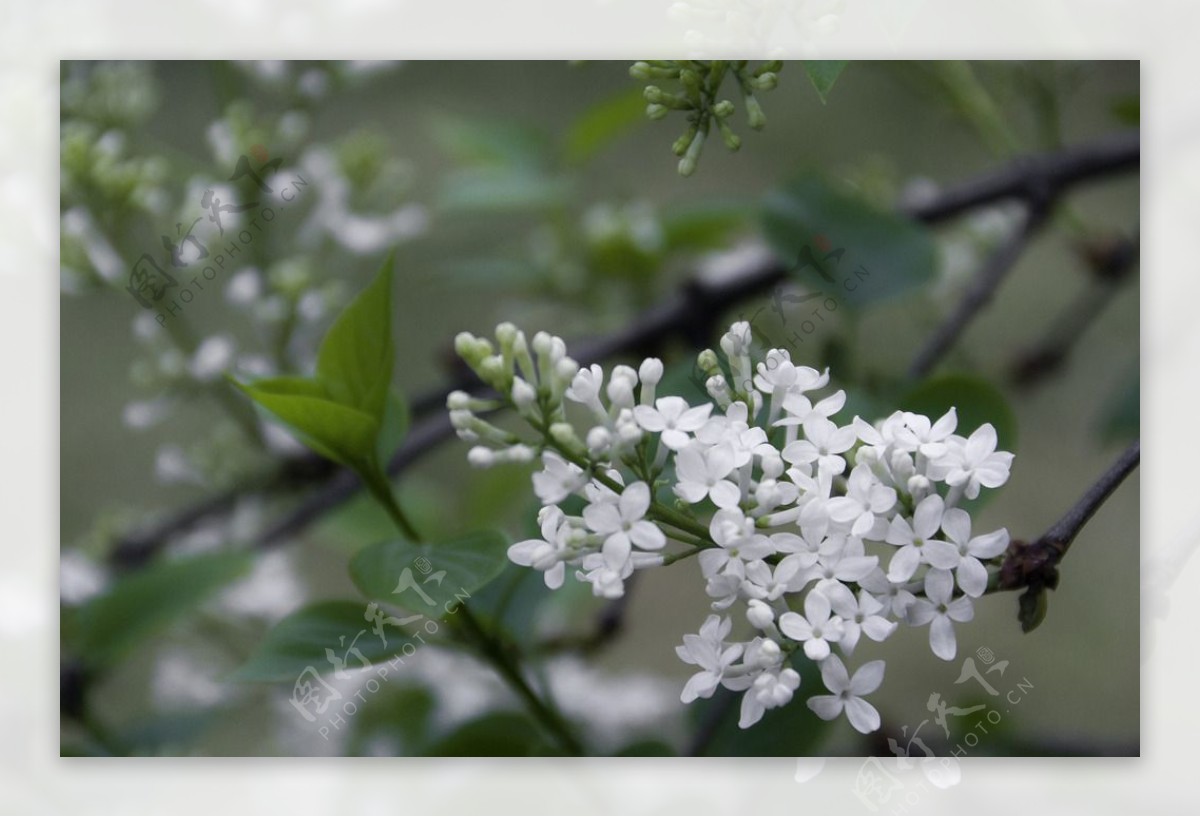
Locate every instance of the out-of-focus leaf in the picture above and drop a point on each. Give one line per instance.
(1128, 110)
(168, 731)
(147, 601)
(1122, 417)
(308, 639)
(491, 144)
(844, 248)
(823, 74)
(500, 189)
(647, 748)
(395, 719)
(501, 734)
(703, 226)
(429, 578)
(975, 400)
(602, 123)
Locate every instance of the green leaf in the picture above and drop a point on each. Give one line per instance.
(703, 226)
(338, 432)
(501, 734)
(491, 144)
(429, 578)
(1128, 110)
(604, 122)
(145, 602)
(976, 402)
(356, 357)
(501, 189)
(398, 717)
(314, 634)
(647, 748)
(844, 248)
(393, 430)
(823, 74)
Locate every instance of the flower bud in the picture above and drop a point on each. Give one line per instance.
(523, 394)
(760, 615)
(599, 440)
(481, 457)
(651, 371)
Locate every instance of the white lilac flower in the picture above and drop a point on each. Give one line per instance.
(975, 462)
(917, 543)
(896, 598)
(920, 435)
(823, 443)
(770, 690)
(762, 582)
(800, 516)
(558, 479)
(708, 651)
(817, 628)
(673, 419)
(738, 542)
(972, 576)
(865, 503)
(701, 474)
(859, 616)
(848, 693)
(623, 524)
(939, 610)
(545, 554)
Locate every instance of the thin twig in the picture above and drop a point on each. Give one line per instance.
(1034, 176)
(1035, 564)
(688, 315)
(988, 279)
(1110, 266)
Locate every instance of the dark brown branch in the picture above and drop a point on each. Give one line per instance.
(986, 282)
(689, 315)
(1039, 176)
(1034, 565)
(1110, 263)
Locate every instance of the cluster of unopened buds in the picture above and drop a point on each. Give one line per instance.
(820, 533)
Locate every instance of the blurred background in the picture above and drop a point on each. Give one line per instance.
(539, 193)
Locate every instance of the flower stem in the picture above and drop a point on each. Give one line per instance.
(504, 657)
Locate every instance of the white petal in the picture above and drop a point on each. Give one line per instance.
(941, 555)
(972, 577)
(647, 536)
(957, 525)
(941, 638)
(862, 716)
(867, 679)
(989, 545)
(649, 419)
(827, 707)
(635, 501)
(725, 494)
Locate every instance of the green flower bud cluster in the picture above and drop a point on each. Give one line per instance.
(697, 92)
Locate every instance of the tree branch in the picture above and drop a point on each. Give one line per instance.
(986, 282)
(1034, 565)
(689, 315)
(1033, 177)
(1110, 263)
